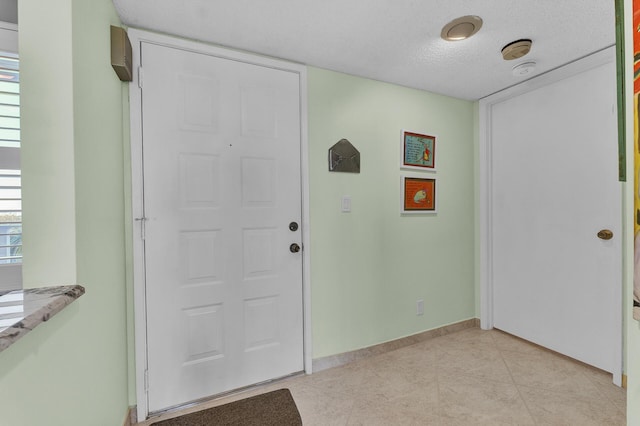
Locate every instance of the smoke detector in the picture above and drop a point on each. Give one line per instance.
(524, 69)
(516, 49)
(461, 28)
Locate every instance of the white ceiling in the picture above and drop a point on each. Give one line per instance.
(396, 41)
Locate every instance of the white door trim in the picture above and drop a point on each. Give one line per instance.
(137, 209)
(486, 185)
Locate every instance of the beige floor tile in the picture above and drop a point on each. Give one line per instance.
(320, 407)
(471, 377)
(471, 352)
(345, 380)
(547, 370)
(553, 408)
(393, 383)
(473, 401)
(507, 342)
(473, 361)
(412, 409)
(386, 385)
(604, 383)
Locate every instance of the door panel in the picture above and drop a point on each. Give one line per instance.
(554, 174)
(221, 154)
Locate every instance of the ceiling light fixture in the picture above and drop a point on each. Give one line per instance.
(461, 28)
(516, 49)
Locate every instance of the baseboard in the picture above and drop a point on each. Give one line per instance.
(331, 361)
(132, 417)
(624, 381)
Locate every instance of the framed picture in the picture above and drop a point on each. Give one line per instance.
(418, 195)
(417, 151)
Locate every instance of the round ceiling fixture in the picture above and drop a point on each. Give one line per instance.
(524, 69)
(461, 28)
(516, 49)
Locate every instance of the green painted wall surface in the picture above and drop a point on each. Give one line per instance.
(98, 134)
(370, 266)
(46, 75)
(71, 370)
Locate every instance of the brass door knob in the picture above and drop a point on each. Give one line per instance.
(605, 234)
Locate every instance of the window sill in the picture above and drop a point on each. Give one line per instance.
(23, 310)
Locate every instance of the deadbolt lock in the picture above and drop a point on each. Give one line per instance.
(293, 226)
(605, 234)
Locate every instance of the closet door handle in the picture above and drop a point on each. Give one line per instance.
(605, 234)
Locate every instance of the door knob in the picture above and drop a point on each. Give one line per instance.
(294, 248)
(605, 234)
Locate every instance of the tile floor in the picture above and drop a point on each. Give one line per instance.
(472, 377)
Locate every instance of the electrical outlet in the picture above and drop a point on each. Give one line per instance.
(420, 307)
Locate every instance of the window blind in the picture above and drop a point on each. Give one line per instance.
(10, 176)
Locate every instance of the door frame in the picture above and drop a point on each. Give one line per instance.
(138, 37)
(485, 220)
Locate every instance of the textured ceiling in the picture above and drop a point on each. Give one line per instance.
(396, 41)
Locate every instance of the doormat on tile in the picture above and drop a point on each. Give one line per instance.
(269, 409)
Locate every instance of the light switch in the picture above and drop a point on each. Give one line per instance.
(346, 204)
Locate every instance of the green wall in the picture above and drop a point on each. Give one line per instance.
(71, 370)
(370, 266)
(47, 148)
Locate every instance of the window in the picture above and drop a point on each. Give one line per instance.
(10, 170)
(10, 180)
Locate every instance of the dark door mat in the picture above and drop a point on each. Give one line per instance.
(269, 409)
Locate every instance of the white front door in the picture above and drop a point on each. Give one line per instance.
(221, 159)
(554, 186)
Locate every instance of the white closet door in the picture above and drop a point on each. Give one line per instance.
(555, 186)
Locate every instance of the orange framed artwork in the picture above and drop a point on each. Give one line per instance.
(418, 195)
(636, 156)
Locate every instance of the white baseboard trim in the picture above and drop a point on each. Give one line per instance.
(331, 361)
